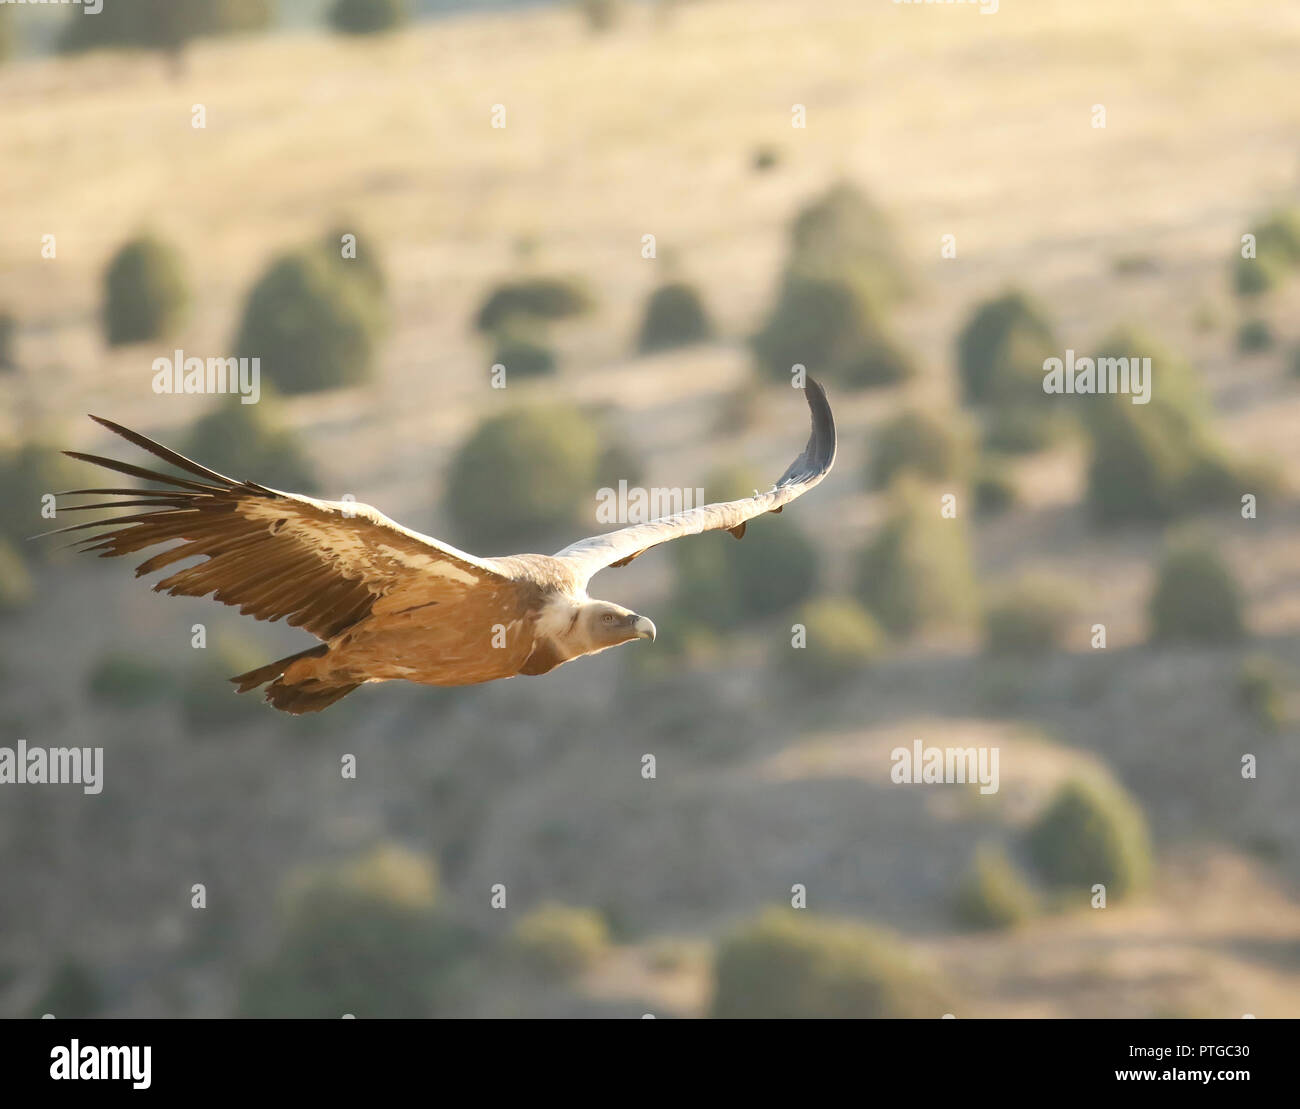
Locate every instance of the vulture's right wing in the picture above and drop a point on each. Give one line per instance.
(321, 564)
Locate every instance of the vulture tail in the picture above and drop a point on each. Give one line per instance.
(310, 695)
(264, 674)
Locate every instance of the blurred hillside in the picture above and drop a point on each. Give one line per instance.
(771, 772)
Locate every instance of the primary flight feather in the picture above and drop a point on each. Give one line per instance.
(387, 602)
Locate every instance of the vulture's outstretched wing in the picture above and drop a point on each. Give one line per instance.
(321, 564)
(618, 548)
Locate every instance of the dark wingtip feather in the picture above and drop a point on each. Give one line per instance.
(819, 455)
(165, 453)
(140, 472)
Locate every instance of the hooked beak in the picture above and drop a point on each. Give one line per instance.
(644, 628)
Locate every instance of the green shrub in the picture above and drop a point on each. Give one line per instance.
(526, 474)
(843, 234)
(764, 158)
(249, 443)
(163, 24)
(924, 443)
(994, 489)
(841, 641)
(994, 894)
(367, 17)
(146, 295)
(362, 936)
(843, 268)
(522, 352)
(1157, 460)
(1141, 462)
(559, 941)
(73, 991)
(1277, 250)
(16, 588)
(703, 587)
(533, 298)
(601, 15)
(8, 331)
(1196, 597)
(728, 583)
(788, 964)
(352, 257)
(1259, 693)
(1022, 428)
(1254, 336)
(124, 681)
(311, 328)
(723, 583)
(1252, 277)
(832, 326)
(674, 317)
(882, 363)
(1092, 832)
(1279, 236)
(1029, 618)
(916, 572)
(1001, 350)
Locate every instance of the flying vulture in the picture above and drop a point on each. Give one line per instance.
(385, 601)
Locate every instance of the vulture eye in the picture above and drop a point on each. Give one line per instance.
(608, 618)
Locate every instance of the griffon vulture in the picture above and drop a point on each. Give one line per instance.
(385, 601)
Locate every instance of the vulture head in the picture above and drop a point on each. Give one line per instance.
(605, 624)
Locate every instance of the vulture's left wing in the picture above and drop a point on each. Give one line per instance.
(321, 564)
(618, 548)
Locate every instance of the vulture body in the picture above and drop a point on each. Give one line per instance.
(386, 602)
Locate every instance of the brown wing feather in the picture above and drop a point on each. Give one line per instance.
(618, 548)
(322, 565)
